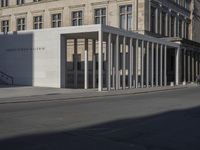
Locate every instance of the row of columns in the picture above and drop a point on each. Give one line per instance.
(168, 22)
(191, 65)
(142, 63)
(152, 65)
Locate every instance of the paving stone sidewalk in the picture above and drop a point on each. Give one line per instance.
(38, 94)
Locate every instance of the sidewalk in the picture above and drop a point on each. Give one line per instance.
(38, 94)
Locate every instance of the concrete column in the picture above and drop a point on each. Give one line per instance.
(130, 63)
(109, 63)
(136, 63)
(124, 64)
(112, 65)
(165, 65)
(142, 64)
(193, 65)
(177, 66)
(117, 83)
(63, 51)
(94, 63)
(75, 63)
(184, 66)
(161, 65)
(100, 64)
(196, 60)
(157, 49)
(152, 65)
(147, 65)
(189, 66)
(86, 65)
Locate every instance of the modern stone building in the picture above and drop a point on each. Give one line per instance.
(135, 43)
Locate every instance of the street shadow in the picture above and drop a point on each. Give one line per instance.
(175, 130)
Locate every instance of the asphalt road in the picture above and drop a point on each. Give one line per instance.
(156, 121)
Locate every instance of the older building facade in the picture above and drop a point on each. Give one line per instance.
(171, 21)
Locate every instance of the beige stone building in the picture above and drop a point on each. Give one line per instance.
(171, 18)
(174, 21)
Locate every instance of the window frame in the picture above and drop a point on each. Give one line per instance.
(21, 24)
(78, 18)
(5, 28)
(101, 15)
(126, 13)
(56, 21)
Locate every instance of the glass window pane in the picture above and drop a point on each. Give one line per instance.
(122, 9)
(97, 20)
(74, 23)
(80, 14)
(103, 11)
(80, 22)
(122, 21)
(97, 12)
(129, 9)
(129, 22)
(103, 21)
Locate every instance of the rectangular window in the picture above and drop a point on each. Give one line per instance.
(180, 28)
(4, 3)
(38, 22)
(19, 2)
(21, 24)
(100, 16)
(126, 17)
(172, 26)
(187, 30)
(153, 19)
(56, 20)
(163, 23)
(77, 18)
(5, 26)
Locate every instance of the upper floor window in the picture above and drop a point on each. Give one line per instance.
(56, 20)
(126, 17)
(187, 30)
(38, 22)
(180, 28)
(163, 23)
(77, 18)
(100, 16)
(21, 25)
(4, 3)
(173, 26)
(5, 26)
(19, 2)
(153, 19)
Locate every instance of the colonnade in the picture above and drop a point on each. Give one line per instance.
(130, 62)
(169, 14)
(116, 59)
(190, 65)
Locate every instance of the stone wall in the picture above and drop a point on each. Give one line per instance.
(196, 21)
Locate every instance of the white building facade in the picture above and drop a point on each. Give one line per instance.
(138, 44)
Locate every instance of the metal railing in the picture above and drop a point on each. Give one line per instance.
(7, 79)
